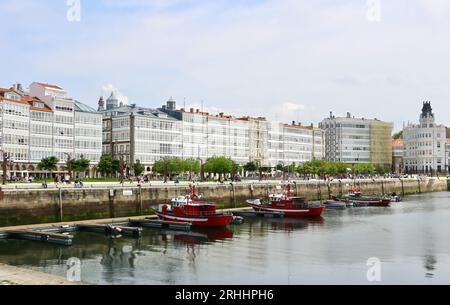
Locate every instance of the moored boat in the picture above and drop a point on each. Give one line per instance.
(288, 205)
(358, 199)
(192, 209)
(334, 204)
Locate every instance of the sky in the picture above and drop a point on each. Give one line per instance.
(287, 60)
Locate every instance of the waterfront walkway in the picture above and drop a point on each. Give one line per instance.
(10, 275)
(156, 184)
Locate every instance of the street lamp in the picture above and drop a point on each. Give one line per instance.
(6, 158)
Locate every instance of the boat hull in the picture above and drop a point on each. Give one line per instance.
(308, 212)
(216, 221)
(371, 203)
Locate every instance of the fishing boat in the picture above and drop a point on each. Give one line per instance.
(359, 199)
(334, 204)
(288, 205)
(193, 209)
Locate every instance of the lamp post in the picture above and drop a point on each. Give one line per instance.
(6, 158)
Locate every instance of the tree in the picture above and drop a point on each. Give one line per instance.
(192, 166)
(81, 165)
(48, 164)
(171, 166)
(105, 165)
(251, 167)
(342, 168)
(398, 135)
(280, 167)
(138, 168)
(380, 170)
(219, 165)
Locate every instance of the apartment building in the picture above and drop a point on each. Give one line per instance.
(135, 133)
(425, 144)
(358, 140)
(45, 122)
(294, 143)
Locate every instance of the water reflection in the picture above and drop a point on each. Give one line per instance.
(430, 265)
(410, 238)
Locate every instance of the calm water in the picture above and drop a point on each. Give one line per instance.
(412, 240)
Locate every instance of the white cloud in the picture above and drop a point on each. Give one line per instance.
(245, 58)
(109, 88)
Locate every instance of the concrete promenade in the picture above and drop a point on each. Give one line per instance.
(10, 275)
(22, 204)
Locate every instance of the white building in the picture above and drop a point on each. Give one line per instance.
(447, 151)
(425, 144)
(204, 135)
(357, 140)
(294, 144)
(140, 134)
(45, 122)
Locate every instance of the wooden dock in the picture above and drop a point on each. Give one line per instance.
(53, 238)
(155, 223)
(111, 229)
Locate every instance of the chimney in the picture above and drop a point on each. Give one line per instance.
(192, 110)
(349, 115)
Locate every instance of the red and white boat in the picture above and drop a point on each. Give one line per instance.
(288, 205)
(192, 209)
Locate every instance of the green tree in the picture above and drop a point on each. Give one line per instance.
(48, 164)
(280, 167)
(251, 167)
(342, 168)
(398, 135)
(380, 170)
(138, 168)
(105, 165)
(219, 165)
(81, 165)
(364, 169)
(192, 166)
(173, 166)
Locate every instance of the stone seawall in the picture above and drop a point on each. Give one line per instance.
(32, 206)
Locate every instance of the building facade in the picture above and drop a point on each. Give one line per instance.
(140, 134)
(44, 122)
(294, 144)
(205, 135)
(398, 151)
(425, 144)
(357, 140)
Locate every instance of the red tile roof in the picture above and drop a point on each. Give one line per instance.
(28, 99)
(50, 86)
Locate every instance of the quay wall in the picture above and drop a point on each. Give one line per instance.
(34, 206)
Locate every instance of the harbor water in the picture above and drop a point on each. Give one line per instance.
(410, 240)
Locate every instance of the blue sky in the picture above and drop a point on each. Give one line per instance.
(283, 59)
